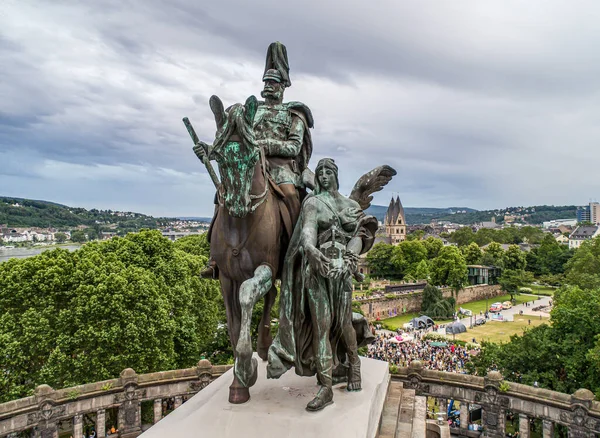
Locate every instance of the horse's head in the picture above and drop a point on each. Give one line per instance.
(236, 152)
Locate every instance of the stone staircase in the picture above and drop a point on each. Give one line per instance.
(404, 415)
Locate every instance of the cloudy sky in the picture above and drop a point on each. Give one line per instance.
(483, 104)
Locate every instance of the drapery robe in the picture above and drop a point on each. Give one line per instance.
(293, 345)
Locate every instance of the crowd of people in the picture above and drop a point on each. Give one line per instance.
(434, 355)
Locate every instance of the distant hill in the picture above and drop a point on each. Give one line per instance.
(20, 212)
(534, 215)
(419, 215)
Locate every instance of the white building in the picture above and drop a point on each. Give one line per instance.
(582, 234)
(558, 222)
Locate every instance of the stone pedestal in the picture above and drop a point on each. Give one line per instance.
(277, 409)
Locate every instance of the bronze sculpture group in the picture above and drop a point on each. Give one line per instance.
(268, 226)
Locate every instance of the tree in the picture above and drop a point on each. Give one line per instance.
(563, 356)
(493, 255)
(78, 236)
(472, 254)
(415, 235)
(514, 258)
(550, 258)
(379, 260)
(92, 234)
(583, 269)
(407, 256)
(463, 236)
(60, 237)
(449, 268)
(435, 305)
(75, 317)
(512, 280)
(422, 270)
(485, 236)
(433, 246)
(195, 244)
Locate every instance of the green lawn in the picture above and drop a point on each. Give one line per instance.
(501, 331)
(542, 290)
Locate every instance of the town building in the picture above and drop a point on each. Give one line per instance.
(395, 222)
(490, 225)
(589, 213)
(479, 274)
(582, 234)
(595, 213)
(558, 222)
(583, 214)
(561, 238)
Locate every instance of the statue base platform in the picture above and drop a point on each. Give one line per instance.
(277, 409)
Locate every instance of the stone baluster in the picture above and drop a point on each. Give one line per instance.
(178, 401)
(78, 426)
(157, 410)
(502, 422)
(548, 429)
(101, 423)
(464, 415)
(523, 426)
(443, 407)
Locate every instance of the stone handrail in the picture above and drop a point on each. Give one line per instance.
(579, 412)
(42, 411)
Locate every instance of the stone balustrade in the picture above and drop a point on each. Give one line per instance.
(578, 412)
(41, 413)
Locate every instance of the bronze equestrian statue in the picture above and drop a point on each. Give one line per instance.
(263, 150)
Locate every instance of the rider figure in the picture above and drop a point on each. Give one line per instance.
(282, 130)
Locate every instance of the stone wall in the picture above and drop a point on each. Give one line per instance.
(411, 302)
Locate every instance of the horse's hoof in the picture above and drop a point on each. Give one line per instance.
(238, 395)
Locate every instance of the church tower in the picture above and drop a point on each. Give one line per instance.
(395, 223)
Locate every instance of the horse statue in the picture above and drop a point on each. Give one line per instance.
(246, 235)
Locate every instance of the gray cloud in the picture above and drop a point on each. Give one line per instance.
(481, 104)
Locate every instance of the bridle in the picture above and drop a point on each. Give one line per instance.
(262, 197)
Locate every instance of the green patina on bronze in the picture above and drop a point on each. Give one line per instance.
(236, 167)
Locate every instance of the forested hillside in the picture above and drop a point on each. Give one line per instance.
(18, 212)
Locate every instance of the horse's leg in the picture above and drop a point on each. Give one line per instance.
(251, 290)
(238, 393)
(264, 329)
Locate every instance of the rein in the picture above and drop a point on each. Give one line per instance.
(263, 195)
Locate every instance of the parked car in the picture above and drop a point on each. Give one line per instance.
(506, 305)
(480, 321)
(496, 307)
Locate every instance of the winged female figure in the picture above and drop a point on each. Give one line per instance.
(318, 332)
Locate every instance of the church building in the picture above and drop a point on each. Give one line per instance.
(395, 223)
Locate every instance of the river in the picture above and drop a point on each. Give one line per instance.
(23, 253)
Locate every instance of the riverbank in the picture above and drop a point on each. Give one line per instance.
(23, 253)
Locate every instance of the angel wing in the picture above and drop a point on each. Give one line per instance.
(371, 182)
